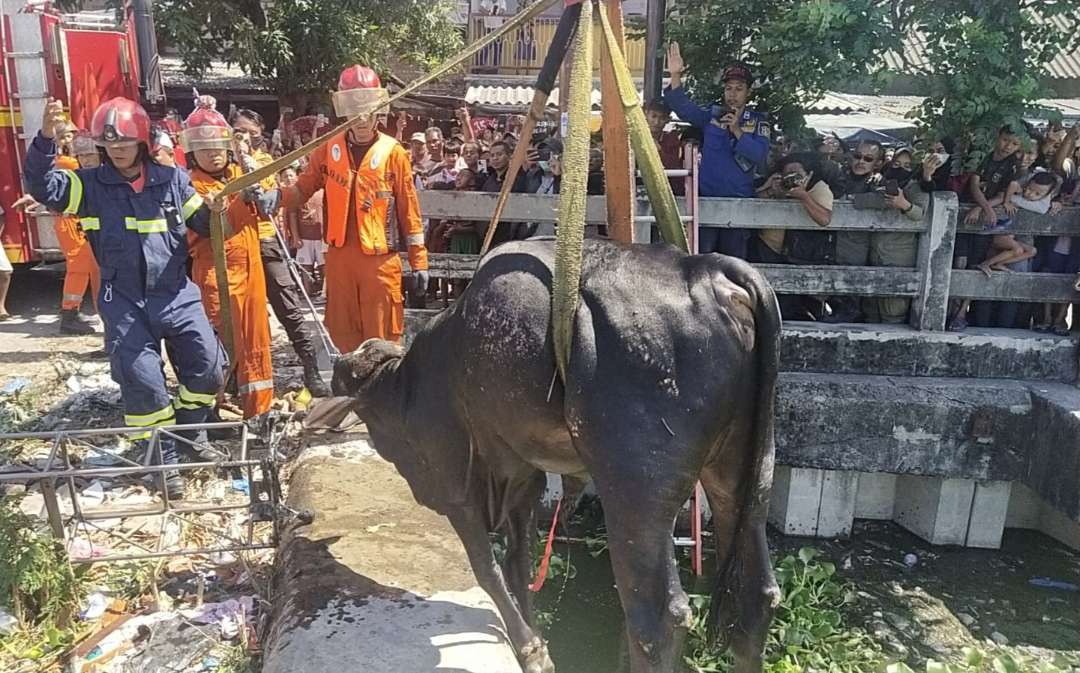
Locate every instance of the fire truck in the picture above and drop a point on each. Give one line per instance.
(81, 59)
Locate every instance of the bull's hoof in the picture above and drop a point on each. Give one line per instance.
(535, 659)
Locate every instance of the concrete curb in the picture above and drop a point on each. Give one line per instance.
(376, 582)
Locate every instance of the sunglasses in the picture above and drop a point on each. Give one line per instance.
(868, 158)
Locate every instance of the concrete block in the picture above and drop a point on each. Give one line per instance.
(1024, 507)
(836, 514)
(937, 510)
(876, 498)
(1059, 526)
(989, 509)
(796, 500)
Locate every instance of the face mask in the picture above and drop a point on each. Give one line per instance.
(545, 166)
(896, 173)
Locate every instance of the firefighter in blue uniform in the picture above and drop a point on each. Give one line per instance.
(736, 145)
(136, 214)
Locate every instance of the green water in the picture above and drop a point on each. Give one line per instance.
(586, 634)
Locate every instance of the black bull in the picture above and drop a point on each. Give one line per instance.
(671, 380)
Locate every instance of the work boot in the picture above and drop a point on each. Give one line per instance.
(313, 379)
(174, 480)
(73, 322)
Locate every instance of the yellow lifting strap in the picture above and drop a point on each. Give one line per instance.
(570, 237)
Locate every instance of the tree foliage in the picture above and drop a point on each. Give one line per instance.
(797, 49)
(984, 59)
(300, 46)
(985, 64)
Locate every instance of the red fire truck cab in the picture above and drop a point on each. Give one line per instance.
(81, 59)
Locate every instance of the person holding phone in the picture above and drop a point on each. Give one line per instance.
(736, 145)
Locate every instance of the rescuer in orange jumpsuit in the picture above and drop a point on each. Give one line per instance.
(82, 269)
(371, 208)
(208, 140)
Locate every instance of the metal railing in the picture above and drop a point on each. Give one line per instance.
(69, 461)
(522, 52)
(930, 284)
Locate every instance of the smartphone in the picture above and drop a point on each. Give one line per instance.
(481, 165)
(892, 188)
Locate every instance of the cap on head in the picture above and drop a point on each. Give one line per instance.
(206, 129)
(120, 120)
(418, 138)
(359, 92)
(738, 71)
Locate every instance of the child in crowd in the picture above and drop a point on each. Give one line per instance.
(444, 174)
(305, 227)
(1035, 197)
(463, 237)
(995, 174)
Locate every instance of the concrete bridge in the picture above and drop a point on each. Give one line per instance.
(954, 436)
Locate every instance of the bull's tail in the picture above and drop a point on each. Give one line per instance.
(726, 610)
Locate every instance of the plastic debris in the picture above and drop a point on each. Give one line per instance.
(7, 622)
(911, 560)
(15, 385)
(230, 616)
(81, 548)
(241, 486)
(1047, 583)
(96, 604)
(95, 492)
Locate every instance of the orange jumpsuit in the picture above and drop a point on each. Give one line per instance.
(371, 211)
(247, 288)
(82, 268)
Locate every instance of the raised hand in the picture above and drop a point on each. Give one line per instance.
(52, 118)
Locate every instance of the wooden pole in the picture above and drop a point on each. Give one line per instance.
(618, 160)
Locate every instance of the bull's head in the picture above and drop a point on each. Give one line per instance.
(356, 377)
(355, 374)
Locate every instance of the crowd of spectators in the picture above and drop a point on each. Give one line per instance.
(1026, 170)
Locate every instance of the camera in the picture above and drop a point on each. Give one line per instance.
(791, 181)
(888, 188)
(721, 109)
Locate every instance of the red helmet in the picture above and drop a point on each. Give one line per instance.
(358, 77)
(206, 129)
(359, 92)
(120, 120)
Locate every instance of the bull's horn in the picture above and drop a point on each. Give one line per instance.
(328, 413)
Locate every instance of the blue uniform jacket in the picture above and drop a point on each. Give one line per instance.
(139, 239)
(721, 174)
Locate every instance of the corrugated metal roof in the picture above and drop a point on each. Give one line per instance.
(1063, 66)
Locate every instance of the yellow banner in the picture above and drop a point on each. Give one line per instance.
(5, 119)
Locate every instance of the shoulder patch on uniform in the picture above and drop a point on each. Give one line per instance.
(749, 124)
(335, 152)
(765, 129)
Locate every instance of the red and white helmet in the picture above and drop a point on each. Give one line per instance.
(120, 121)
(359, 92)
(206, 129)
